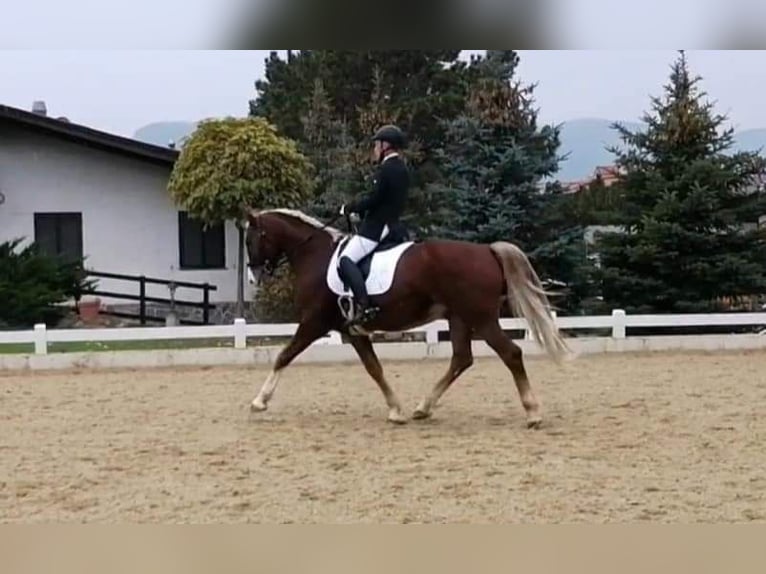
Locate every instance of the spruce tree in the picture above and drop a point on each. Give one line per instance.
(495, 158)
(497, 166)
(687, 207)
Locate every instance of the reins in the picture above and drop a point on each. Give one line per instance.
(270, 267)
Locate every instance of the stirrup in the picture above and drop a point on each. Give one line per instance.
(346, 306)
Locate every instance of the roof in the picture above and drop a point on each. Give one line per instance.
(83, 135)
(609, 174)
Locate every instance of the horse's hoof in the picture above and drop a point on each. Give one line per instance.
(257, 406)
(397, 419)
(534, 423)
(421, 415)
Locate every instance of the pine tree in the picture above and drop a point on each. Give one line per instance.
(685, 204)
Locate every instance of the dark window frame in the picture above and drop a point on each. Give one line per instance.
(58, 219)
(213, 238)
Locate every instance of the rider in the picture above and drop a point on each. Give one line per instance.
(380, 213)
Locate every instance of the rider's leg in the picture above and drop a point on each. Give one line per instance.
(358, 247)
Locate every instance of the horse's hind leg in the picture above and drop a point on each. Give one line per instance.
(511, 355)
(462, 359)
(366, 352)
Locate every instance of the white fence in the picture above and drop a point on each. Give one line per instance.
(617, 322)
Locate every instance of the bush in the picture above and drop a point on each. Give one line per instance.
(33, 285)
(275, 300)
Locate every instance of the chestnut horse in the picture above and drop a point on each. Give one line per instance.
(463, 282)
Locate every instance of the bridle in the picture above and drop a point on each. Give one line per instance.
(270, 266)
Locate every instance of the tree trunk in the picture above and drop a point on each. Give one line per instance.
(241, 272)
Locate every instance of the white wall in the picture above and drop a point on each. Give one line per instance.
(130, 224)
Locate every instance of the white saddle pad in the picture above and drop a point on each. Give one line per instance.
(381, 275)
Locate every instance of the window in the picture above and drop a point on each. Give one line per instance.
(200, 248)
(60, 234)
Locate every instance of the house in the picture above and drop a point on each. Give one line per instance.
(608, 175)
(78, 192)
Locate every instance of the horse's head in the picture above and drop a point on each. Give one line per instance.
(277, 233)
(261, 242)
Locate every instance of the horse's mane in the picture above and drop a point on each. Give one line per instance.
(336, 234)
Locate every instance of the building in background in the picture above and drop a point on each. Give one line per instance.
(81, 192)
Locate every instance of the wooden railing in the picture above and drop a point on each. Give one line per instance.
(142, 298)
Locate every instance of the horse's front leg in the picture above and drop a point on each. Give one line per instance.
(308, 332)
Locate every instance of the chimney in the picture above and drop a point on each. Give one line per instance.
(38, 107)
(172, 144)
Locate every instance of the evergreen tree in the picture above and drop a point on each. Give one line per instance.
(685, 204)
(594, 204)
(33, 285)
(425, 85)
(495, 158)
(327, 146)
(285, 91)
(360, 90)
(497, 165)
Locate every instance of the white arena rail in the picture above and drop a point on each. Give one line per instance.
(331, 348)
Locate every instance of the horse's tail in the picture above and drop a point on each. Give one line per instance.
(528, 298)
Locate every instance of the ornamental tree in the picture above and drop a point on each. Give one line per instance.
(234, 163)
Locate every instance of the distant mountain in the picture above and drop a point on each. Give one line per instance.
(751, 140)
(162, 133)
(585, 141)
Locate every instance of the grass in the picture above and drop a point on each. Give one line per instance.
(101, 346)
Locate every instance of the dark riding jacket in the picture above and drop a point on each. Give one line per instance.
(385, 205)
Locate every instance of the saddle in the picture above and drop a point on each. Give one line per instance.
(378, 269)
(397, 236)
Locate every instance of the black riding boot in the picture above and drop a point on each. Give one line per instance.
(353, 276)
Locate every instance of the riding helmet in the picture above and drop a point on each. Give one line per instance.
(392, 135)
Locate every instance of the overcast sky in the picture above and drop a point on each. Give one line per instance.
(119, 91)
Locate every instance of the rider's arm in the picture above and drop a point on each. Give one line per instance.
(372, 200)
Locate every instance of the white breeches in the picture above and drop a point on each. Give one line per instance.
(359, 247)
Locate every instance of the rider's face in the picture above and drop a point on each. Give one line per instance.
(377, 150)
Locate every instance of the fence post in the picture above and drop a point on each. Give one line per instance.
(240, 333)
(142, 300)
(528, 332)
(618, 324)
(432, 334)
(41, 339)
(206, 304)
